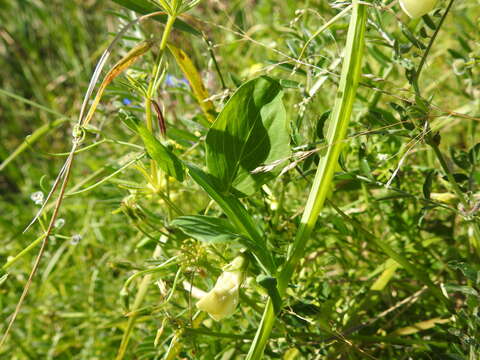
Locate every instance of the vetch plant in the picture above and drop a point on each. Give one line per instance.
(284, 136)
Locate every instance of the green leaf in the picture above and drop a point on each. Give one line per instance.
(206, 228)
(474, 154)
(145, 7)
(321, 124)
(251, 130)
(166, 160)
(243, 222)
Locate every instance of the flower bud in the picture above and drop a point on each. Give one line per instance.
(222, 300)
(417, 8)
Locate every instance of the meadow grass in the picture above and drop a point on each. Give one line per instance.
(383, 165)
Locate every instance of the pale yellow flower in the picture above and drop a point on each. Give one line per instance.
(222, 300)
(417, 8)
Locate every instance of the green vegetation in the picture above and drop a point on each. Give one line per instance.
(204, 179)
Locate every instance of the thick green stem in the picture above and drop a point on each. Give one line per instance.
(336, 134)
(167, 31)
(321, 185)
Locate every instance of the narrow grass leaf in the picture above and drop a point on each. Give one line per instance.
(191, 73)
(420, 326)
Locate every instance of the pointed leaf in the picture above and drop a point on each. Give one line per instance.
(251, 130)
(243, 222)
(165, 159)
(206, 228)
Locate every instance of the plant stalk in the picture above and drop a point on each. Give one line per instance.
(339, 121)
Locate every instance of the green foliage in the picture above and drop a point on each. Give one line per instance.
(390, 269)
(206, 228)
(251, 130)
(165, 159)
(144, 7)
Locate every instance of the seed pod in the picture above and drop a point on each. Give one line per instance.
(417, 8)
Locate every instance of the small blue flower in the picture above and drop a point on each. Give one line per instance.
(126, 101)
(172, 81)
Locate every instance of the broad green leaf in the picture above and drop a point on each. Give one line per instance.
(206, 228)
(251, 130)
(243, 222)
(145, 7)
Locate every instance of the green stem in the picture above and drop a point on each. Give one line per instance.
(22, 253)
(167, 31)
(148, 116)
(321, 185)
(152, 88)
(336, 134)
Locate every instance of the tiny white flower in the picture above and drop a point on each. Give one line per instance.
(37, 197)
(222, 300)
(417, 8)
(382, 157)
(75, 239)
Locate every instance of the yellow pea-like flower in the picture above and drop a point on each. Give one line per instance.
(222, 300)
